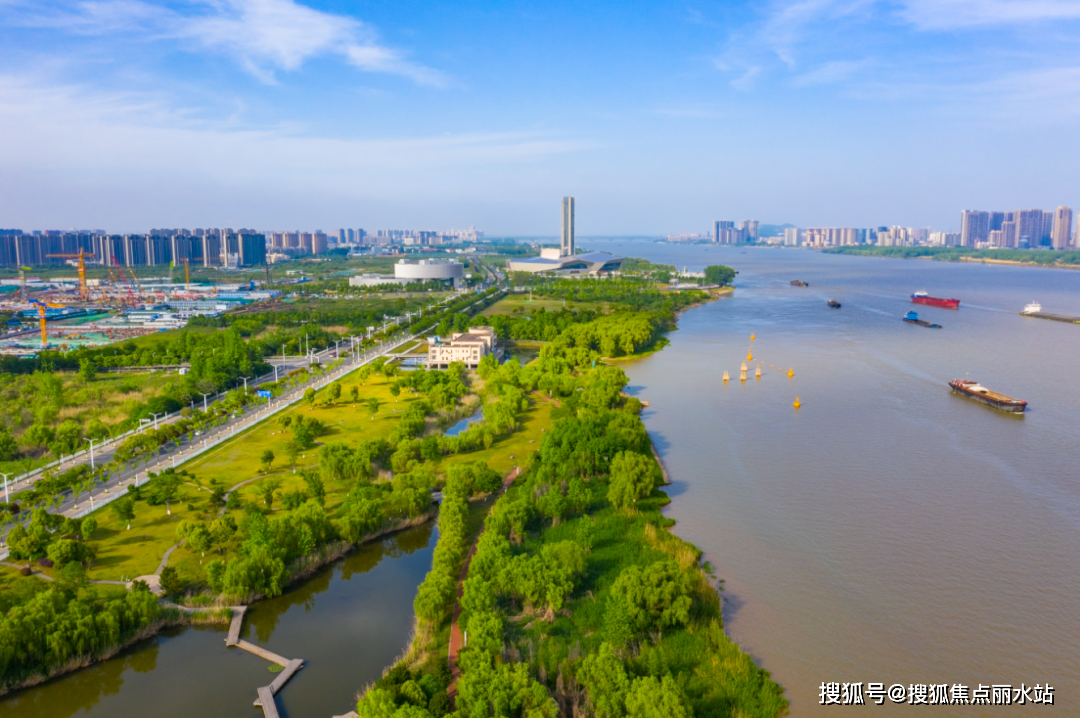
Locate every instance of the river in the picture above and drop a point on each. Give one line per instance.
(886, 531)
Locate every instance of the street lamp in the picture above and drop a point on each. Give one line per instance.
(245, 378)
(156, 418)
(204, 400)
(92, 467)
(7, 496)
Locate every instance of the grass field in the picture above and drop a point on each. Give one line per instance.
(521, 302)
(126, 554)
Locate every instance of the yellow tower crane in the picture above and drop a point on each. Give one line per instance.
(84, 293)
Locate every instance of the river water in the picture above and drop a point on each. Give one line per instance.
(348, 622)
(887, 531)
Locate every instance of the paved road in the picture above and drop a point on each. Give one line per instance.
(175, 453)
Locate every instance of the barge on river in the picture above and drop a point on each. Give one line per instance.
(913, 318)
(799, 283)
(973, 390)
(1035, 310)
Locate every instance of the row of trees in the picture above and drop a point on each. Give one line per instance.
(60, 624)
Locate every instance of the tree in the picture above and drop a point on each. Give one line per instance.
(605, 680)
(333, 392)
(656, 596)
(292, 450)
(163, 489)
(170, 581)
(37, 435)
(200, 539)
(267, 460)
(267, 489)
(125, 510)
(315, 486)
(87, 528)
(309, 396)
(719, 274)
(87, 370)
(652, 697)
(373, 405)
(632, 478)
(9, 448)
(354, 393)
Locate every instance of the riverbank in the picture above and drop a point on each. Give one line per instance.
(576, 595)
(172, 618)
(1046, 258)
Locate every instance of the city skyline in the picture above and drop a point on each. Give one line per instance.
(282, 113)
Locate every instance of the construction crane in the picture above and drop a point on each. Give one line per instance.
(187, 275)
(42, 318)
(84, 293)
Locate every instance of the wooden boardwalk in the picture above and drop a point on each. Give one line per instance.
(291, 666)
(266, 700)
(234, 627)
(263, 653)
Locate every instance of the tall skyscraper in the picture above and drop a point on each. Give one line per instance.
(567, 245)
(1059, 235)
(1029, 226)
(974, 227)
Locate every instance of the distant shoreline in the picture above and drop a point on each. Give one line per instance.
(1061, 259)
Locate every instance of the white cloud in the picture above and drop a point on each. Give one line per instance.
(263, 35)
(954, 14)
(62, 128)
(830, 73)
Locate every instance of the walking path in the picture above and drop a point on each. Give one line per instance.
(266, 694)
(457, 640)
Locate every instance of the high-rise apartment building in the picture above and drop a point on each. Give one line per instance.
(1062, 228)
(975, 227)
(566, 246)
(1029, 228)
(791, 236)
(720, 233)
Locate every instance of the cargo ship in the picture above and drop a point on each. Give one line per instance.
(799, 283)
(913, 318)
(834, 304)
(924, 298)
(972, 390)
(1035, 310)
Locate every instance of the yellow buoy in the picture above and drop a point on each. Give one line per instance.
(726, 377)
(797, 403)
(751, 337)
(750, 356)
(791, 372)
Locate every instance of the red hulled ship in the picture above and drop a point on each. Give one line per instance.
(924, 298)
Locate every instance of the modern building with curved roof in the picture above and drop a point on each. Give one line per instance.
(552, 261)
(564, 259)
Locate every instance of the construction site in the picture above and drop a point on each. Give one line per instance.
(62, 313)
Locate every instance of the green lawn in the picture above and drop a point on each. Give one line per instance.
(506, 452)
(514, 302)
(123, 553)
(127, 554)
(239, 459)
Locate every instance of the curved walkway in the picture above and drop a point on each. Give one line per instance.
(457, 640)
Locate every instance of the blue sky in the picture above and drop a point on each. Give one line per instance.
(658, 117)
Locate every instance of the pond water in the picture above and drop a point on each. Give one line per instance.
(348, 622)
